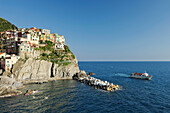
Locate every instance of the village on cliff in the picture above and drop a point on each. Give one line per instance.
(24, 40)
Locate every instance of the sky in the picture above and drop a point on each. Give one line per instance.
(100, 30)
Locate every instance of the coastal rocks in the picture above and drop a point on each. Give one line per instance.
(17, 84)
(8, 87)
(79, 75)
(99, 84)
(96, 83)
(31, 92)
(90, 73)
(5, 80)
(8, 91)
(6, 73)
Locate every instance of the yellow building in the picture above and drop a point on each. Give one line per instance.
(51, 37)
(47, 37)
(42, 37)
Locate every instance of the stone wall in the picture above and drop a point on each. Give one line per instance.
(30, 54)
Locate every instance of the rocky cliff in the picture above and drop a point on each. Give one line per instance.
(39, 66)
(41, 70)
(32, 68)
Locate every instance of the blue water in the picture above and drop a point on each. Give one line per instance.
(144, 96)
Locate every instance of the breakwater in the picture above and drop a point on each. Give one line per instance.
(98, 84)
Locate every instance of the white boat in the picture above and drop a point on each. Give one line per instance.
(141, 76)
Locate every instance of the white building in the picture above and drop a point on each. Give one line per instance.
(59, 46)
(26, 37)
(10, 60)
(25, 47)
(35, 39)
(61, 39)
(46, 31)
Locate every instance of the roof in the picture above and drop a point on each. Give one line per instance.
(1, 53)
(138, 73)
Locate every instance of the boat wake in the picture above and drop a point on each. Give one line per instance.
(121, 74)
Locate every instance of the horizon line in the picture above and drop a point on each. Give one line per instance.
(124, 60)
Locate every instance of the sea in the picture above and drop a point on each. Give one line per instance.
(70, 96)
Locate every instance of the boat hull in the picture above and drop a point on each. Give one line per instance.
(142, 77)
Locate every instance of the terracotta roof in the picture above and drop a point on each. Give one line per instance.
(1, 53)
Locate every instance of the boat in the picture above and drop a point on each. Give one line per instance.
(141, 76)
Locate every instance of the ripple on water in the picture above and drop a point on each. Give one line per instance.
(72, 96)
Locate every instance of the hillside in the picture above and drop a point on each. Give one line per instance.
(6, 25)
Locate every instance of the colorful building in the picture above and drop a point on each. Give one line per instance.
(26, 47)
(2, 55)
(58, 38)
(7, 62)
(42, 38)
(46, 31)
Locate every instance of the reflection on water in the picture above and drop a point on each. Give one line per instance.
(59, 94)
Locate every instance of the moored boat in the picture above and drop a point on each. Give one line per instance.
(141, 76)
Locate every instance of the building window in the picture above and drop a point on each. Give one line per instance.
(7, 61)
(21, 49)
(27, 49)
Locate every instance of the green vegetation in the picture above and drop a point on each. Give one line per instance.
(66, 63)
(61, 57)
(5, 25)
(73, 56)
(57, 57)
(68, 51)
(67, 48)
(48, 47)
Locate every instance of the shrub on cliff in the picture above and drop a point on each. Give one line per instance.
(73, 56)
(67, 48)
(49, 46)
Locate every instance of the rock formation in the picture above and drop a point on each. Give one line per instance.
(8, 86)
(31, 92)
(90, 73)
(31, 69)
(98, 84)
(41, 70)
